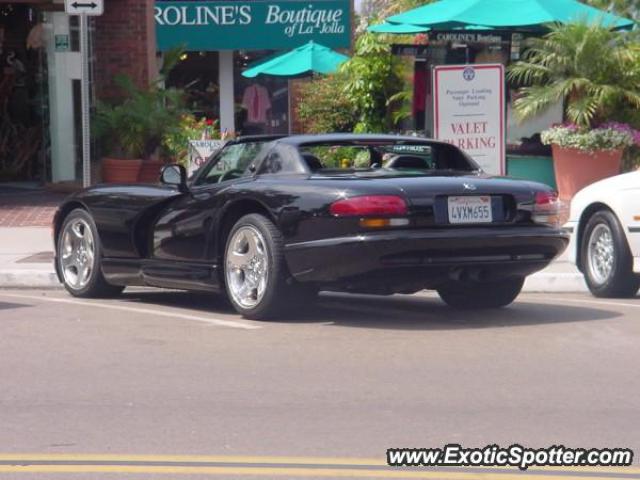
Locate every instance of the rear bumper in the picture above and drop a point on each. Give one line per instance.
(436, 255)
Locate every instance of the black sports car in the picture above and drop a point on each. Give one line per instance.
(273, 220)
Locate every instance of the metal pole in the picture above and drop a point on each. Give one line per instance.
(85, 100)
(289, 124)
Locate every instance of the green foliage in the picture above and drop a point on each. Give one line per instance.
(342, 157)
(594, 70)
(604, 138)
(135, 126)
(371, 79)
(625, 8)
(322, 108)
(175, 141)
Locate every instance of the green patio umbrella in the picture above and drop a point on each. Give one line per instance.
(309, 58)
(505, 14)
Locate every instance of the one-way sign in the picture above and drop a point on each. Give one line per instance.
(84, 7)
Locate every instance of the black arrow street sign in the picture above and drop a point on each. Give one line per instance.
(91, 5)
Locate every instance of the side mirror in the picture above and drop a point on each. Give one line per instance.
(174, 175)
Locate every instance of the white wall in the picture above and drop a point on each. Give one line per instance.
(63, 68)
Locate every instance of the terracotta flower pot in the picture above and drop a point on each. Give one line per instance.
(150, 171)
(118, 170)
(575, 169)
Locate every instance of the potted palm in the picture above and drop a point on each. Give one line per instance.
(131, 131)
(594, 72)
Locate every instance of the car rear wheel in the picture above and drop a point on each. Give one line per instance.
(482, 295)
(79, 255)
(606, 259)
(256, 276)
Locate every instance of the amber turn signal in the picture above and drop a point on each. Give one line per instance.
(383, 222)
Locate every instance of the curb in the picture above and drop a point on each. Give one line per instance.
(536, 283)
(29, 279)
(555, 283)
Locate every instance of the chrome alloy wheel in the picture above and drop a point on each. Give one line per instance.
(77, 254)
(601, 253)
(247, 267)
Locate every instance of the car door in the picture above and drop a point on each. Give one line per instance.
(183, 230)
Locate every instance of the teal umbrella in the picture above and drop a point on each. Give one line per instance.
(399, 28)
(309, 58)
(404, 28)
(505, 14)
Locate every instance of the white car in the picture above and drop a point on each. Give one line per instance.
(604, 224)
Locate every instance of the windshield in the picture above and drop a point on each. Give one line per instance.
(232, 162)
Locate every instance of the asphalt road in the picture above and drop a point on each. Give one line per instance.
(167, 374)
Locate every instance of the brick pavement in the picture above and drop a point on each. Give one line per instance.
(27, 207)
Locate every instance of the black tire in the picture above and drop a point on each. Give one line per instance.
(482, 295)
(97, 286)
(281, 294)
(621, 282)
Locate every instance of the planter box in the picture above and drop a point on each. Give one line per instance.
(575, 169)
(150, 171)
(117, 170)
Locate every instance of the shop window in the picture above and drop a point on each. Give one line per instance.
(197, 74)
(262, 104)
(23, 94)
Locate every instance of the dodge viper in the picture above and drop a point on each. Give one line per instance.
(270, 221)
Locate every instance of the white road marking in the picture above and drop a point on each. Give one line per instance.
(211, 321)
(596, 302)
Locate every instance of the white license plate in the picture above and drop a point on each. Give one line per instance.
(470, 209)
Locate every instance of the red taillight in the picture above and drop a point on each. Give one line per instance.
(546, 209)
(369, 205)
(546, 198)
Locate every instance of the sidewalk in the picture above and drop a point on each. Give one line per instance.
(26, 258)
(23, 206)
(26, 261)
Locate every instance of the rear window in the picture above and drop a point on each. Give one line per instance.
(400, 156)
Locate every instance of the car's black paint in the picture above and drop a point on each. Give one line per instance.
(162, 236)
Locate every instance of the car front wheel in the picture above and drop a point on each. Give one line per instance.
(482, 295)
(606, 259)
(79, 255)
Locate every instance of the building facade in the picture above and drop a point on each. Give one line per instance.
(40, 125)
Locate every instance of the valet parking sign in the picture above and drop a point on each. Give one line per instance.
(469, 112)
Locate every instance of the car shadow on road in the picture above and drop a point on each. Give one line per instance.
(418, 312)
(11, 306)
(398, 312)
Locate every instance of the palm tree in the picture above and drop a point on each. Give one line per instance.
(595, 71)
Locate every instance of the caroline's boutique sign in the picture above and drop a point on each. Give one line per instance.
(257, 24)
(469, 111)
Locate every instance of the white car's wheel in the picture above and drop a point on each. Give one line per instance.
(605, 257)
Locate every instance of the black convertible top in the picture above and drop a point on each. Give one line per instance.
(338, 138)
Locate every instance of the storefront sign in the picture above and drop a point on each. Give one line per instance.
(469, 111)
(200, 151)
(258, 24)
(465, 37)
